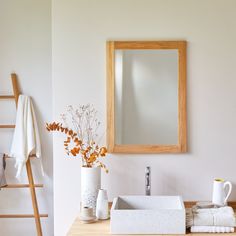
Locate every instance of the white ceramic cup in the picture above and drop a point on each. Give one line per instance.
(86, 212)
(219, 195)
(102, 205)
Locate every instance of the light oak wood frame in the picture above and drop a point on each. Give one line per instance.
(181, 146)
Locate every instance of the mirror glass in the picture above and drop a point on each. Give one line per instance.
(146, 96)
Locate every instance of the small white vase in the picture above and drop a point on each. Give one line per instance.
(90, 184)
(102, 205)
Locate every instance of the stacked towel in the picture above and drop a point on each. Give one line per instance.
(2, 171)
(211, 229)
(212, 220)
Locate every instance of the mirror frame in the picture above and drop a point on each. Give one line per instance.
(181, 146)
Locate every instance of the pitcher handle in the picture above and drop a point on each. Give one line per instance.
(229, 192)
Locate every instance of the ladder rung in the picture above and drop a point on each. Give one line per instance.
(31, 156)
(7, 126)
(22, 186)
(7, 97)
(21, 215)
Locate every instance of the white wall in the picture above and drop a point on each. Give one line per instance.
(25, 48)
(80, 30)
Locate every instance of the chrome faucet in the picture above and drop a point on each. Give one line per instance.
(148, 181)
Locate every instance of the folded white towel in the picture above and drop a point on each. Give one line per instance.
(223, 216)
(26, 136)
(211, 229)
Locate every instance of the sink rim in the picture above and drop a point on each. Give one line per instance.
(180, 202)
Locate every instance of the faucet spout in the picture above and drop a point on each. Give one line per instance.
(148, 181)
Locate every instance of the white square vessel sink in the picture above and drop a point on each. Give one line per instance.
(148, 215)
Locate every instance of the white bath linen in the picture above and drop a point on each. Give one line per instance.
(211, 229)
(26, 139)
(223, 216)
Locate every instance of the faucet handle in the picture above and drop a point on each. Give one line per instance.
(148, 170)
(147, 180)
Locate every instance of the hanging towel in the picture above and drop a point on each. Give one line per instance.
(2, 171)
(211, 229)
(223, 216)
(26, 136)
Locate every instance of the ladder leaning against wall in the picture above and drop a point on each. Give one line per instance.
(31, 184)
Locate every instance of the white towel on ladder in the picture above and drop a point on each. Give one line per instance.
(26, 136)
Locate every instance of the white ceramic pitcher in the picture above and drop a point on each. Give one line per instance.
(219, 195)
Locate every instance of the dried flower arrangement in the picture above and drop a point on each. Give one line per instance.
(81, 137)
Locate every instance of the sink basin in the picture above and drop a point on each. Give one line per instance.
(148, 215)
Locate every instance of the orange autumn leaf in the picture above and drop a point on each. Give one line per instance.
(92, 158)
(103, 151)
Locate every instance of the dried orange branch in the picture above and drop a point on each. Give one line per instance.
(74, 146)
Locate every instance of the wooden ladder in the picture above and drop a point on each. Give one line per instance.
(31, 184)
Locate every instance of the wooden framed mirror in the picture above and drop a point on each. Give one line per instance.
(146, 97)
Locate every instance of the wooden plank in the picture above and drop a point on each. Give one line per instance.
(21, 215)
(7, 97)
(98, 228)
(110, 97)
(9, 157)
(7, 126)
(34, 199)
(102, 227)
(22, 186)
(146, 149)
(15, 87)
(148, 44)
(182, 103)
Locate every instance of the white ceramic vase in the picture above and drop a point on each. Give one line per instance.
(102, 205)
(90, 184)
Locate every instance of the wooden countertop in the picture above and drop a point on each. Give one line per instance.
(102, 228)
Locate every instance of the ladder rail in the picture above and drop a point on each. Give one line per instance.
(16, 92)
(34, 198)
